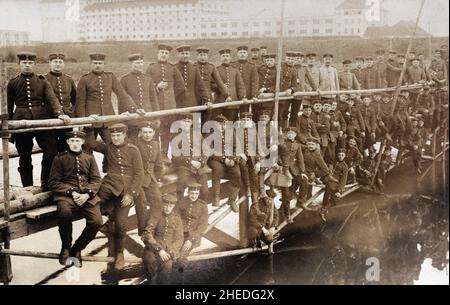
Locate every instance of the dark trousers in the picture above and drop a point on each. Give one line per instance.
(283, 112)
(150, 204)
(91, 137)
(220, 171)
(256, 234)
(166, 135)
(186, 176)
(329, 198)
(93, 217)
(155, 266)
(118, 215)
(24, 145)
(249, 177)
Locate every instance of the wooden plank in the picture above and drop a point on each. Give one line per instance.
(41, 212)
(222, 239)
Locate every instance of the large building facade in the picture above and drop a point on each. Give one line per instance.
(14, 38)
(159, 20)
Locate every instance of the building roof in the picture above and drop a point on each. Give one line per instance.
(401, 29)
(352, 5)
(136, 3)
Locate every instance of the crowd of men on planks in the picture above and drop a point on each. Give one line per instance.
(326, 139)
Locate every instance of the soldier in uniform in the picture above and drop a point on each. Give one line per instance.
(370, 121)
(267, 81)
(121, 187)
(366, 170)
(381, 67)
(371, 78)
(288, 86)
(65, 90)
(338, 126)
(222, 166)
(292, 163)
(33, 99)
(141, 88)
(438, 68)
(170, 89)
(190, 165)
(233, 82)
(335, 189)
(256, 60)
(249, 74)
(315, 167)
(328, 77)
(353, 158)
(163, 238)
(94, 98)
(263, 51)
(393, 70)
(75, 181)
(335, 133)
(359, 70)
(315, 75)
(195, 93)
(210, 77)
(305, 83)
(194, 216)
(348, 80)
(414, 144)
(356, 126)
(149, 147)
(263, 221)
(305, 126)
(322, 124)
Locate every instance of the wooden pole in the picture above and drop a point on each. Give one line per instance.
(433, 170)
(402, 74)
(279, 58)
(444, 166)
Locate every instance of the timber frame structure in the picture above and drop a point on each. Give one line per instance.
(25, 216)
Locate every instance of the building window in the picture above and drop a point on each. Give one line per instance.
(255, 23)
(303, 22)
(316, 31)
(234, 34)
(267, 23)
(224, 34)
(316, 21)
(245, 33)
(329, 31)
(291, 32)
(267, 33)
(329, 21)
(303, 32)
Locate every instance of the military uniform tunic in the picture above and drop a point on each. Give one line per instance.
(195, 91)
(194, 216)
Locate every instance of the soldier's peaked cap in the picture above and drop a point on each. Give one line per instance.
(290, 129)
(299, 54)
(194, 186)
(312, 140)
(203, 50)
(263, 47)
(119, 127)
(183, 48)
(169, 198)
(97, 56)
(239, 48)
(75, 134)
(392, 52)
(265, 112)
(255, 49)
(246, 115)
(26, 56)
(347, 62)
(271, 55)
(221, 118)
(341, 151)
(136, 56)
(351, 138)
(53, 56)
(150, 124)
(291, 53)
(186, 116)
(225, 51)
(311, 55)
(164, 47)
(359, 58)
(328, 55)
(380, 52)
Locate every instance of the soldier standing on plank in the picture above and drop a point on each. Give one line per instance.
(75, 181)
(64, 89)
(170, 90)
(141, 88)
(94, 99)
(30, 97)
(249, 74)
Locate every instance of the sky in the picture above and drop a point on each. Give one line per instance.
(24, 15)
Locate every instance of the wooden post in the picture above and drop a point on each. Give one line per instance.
(5, 261)
(444, 166)
(433, 170)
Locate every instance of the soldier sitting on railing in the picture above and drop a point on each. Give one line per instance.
(75, 181)
(222, 166)
(263, 221)
(194, 216)
(353, 158)
(305, 126)
(366, 170)
(322, 123)
(413, 143)
(163, 238)
(355, 122)
(121, 188)
(379, 105)
(425, 106)
(385, 163)
(190, 165)
(334, 190)
(149, 147)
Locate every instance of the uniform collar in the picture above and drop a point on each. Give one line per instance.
(136, 73)
(27, 75)
(75, 153)
(225, 65)
(55, 73)
(121, 145)
(242, 61)
(98, 73)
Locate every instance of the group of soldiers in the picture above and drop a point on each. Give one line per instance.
(326, 139)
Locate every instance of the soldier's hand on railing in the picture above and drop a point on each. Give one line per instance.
(196, 164)
(186, 246)
(255, 99)
(288, 92)
(126, 113)
(208, 105)
(65, 118)
(127, 201)
(304, 176)
(229, 99)
(165, 257)
(94, 116)
(140, 111)
(338, 195)
(245, 101)
(340, 133)
(363, 134)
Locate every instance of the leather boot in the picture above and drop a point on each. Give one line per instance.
(63, 256)
(119, 261)
(232, 199)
